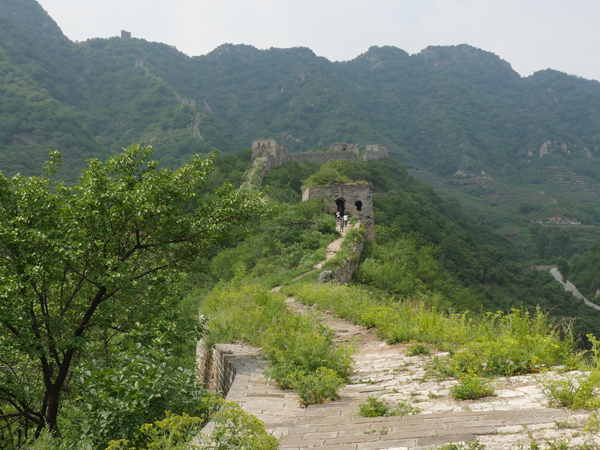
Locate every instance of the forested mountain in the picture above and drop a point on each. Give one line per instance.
(476, 152)
(508, 148)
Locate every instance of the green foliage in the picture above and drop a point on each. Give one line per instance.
(353, 237)
(494, 344)
(81, 265)
(137, 387)
(316, 387)
(418, 349)
(471, 387)
(286, 244)
(574, 391)
(299, 346)
(375, 407)
(233, 429)
(301, 349)
(326, 176)
(585, 273)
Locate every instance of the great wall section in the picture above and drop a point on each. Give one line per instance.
(511, 419)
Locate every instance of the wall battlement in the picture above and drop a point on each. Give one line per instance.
(270, 154)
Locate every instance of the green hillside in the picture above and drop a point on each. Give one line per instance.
(508, 149)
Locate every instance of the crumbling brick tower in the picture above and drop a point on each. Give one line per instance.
(354, 199)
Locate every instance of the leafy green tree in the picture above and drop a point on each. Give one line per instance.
(97, 256)
(540, 238)
(563, 267)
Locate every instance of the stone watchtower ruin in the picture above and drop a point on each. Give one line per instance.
(354, 199)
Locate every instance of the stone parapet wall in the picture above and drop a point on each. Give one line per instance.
(217, 372)
(343, 273)
(323, 157)
(375, 152)
(272, 154)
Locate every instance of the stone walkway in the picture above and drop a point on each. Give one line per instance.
(512, 418)
(278, 410)
(515, 415)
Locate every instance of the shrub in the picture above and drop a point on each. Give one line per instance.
(576, 392)
(472, 387)
(138, 387)
(302, 345)
(233, 429)
(375, 407)
(314, 388)
(418, 349)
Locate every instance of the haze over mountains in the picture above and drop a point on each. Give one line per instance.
(458, 117)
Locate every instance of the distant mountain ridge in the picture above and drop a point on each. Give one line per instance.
(458, 114)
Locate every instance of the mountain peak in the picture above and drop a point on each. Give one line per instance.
(31, 18)
(377, 57)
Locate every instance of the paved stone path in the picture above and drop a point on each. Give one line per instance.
(278, 410)
(385, 371)
(513, 417)
(337, 427)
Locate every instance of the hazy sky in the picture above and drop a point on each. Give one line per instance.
(530, 34)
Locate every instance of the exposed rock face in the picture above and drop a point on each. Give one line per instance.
(354, 199)
(544, 149)
(325, 277)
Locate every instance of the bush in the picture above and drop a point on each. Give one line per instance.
(233, 429)
(418, 349)
(375, 407)
(471, 387)
(314, 388)
(575, 392)
(299, 346)
(139, 386)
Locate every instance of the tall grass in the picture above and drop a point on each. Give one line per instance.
(490, 344)
(300, 348)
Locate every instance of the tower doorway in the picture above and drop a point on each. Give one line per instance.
(340, 204)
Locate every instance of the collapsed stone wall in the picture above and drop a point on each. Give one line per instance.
(343, 273)
(357, 200)
(323, 157)
(375, 151)
(268, 154)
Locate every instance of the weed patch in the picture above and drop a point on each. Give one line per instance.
(488, 345)
(472, 387)
(301, 350)
(418, 349)
(574, 391)
(375, 407)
